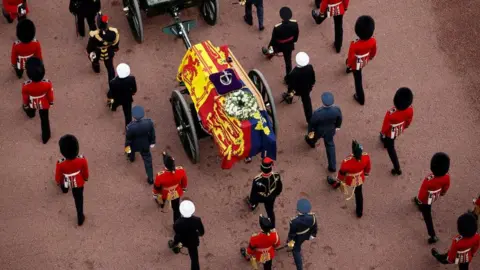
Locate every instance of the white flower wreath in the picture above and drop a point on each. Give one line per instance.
(241, 104)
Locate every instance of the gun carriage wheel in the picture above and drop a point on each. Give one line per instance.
(134, 17)
(209, 10)
(185, 126)
(262, 86)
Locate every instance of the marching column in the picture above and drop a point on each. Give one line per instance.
(335, 9)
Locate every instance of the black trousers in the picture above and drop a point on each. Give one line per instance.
(267, 265)
(78, 197)
(338, 22)
(287, 57)
(359, 200)
(427, 216)
(44, 122)
(108, 65)
(269, 207)
(392, 153)
(80, 20)
(307, 107)
(357, 77)
(193, 253)
(127, 111)
(176, 209)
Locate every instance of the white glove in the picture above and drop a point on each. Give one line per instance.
(337, 129)
(92, 56)
(312, 237)
(152, 145)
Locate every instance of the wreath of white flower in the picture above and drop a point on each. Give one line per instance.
(241, 104)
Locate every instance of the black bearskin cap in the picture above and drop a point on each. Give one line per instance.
(440, 164)
(102, 21)
(169, 162)
(364, 27)
(285, 13)
(265, 224)
(25, 30)
(357, 150)
(68, 146)
(467, 225)
(267, 164)
(35, 69)
(403, 98)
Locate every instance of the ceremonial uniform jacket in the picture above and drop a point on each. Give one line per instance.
(140, 135)
(360, 52)
(284, 36)
(170, 184)
(37, 95)
(122, 90)
(334, 7)
(303, 224)
(22, 51)
(463, 249)
(432, 188)
(325, 120)
(104, 50)
(85, 7)
(395, 122)
(11, 7)
(266, 187)
(352, 171)
(262, 246)
(188, 231)
(301, 79)
(74, 171)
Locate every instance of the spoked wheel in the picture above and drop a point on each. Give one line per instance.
(185, 126)
(134, 17)
(209, 10)
(262, 86)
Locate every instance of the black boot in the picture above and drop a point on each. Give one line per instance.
(396, 172)
(5, 14)
(442, 258)
(96, 67)
(81, 221)
(432, 240)
(249, 22)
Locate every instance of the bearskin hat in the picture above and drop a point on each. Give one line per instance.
(25, 30)
(35, 69)
(267, 164)
(467, 225)
(68, 146)
(286, 13)
(265, 224)
(357, 149)
(102, 21)
(364, 27)
(168, 161)
(403, 98)
(440, 164)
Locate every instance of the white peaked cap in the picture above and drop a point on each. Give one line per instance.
(302, 59)
(123, 70)
(187, 208)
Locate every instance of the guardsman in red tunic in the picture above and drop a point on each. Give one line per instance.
(72, 171)
(396, 121)
(169, 185)
(464, 246)
(352, 174)
(37, 94)
(25, 47)
(261, 247)
(434, 185)
(13, 9)
(335, 9)
(361, 51)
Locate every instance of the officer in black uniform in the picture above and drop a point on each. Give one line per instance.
(140, 137)
(303, 227)
(85, 9)
(265, 189)
(284, 36)
(121, 91)
(102, 45)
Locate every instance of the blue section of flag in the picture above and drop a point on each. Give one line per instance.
(261, 142)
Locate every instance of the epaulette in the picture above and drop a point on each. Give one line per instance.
(293, 21)
(291, 219)
(160, 173)
(278, 24)
(27, 82)
(61, 160)
(17, 42)
(364, 154)
(392, 110)
(45, 80)
(458, 238)
(178, 168)
(80, 156)
(430, 176)
(254, 234)
(93, 33)
(34, 40)
(348, 158)
(131, 123)
(113, 29)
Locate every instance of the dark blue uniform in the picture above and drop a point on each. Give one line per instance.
(302, 227)
(139, 136)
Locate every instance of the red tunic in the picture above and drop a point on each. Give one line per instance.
(335, 7)
(262, 246)
(395, 122)
(170, 184)
(463, 249)
(360, 52)
(432, 188)
(477, 202)
(22, 51)
(74, 171)
(352, 172)
(11, 7)
(37, 95)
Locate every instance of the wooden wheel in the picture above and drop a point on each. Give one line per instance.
(262, 86)
(134, 17)
(209, 10)
(185, 126)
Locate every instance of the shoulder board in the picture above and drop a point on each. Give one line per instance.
(430, 176)
(93, 33)
(178, 167)
(80, 156)
(273, 230)
(61, 160)
(27, 82)
(291, 219)
(161, 172)
(458, 238)
(131, 124)
(293, 21)
(17, 42)
(113, 29)
(34, 40)
(278, 24)
(254, 234)
(45, 80)
(348, 158)
(364, 154)
(392, 110)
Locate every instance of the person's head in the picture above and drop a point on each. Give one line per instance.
(327, 99)
(102, 21)
(364, 27)
(35, 69)
(123, 71)
(68, 146)
(302, 59)
(357, 150)
(467, 225)
(168, 162)
(265, 224)
(187, 208)
(138, 112)
(267, 165)
(304, 206)
(26, 31)
(285, 13)
(403, 98)
(440, 164)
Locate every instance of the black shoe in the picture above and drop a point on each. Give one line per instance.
(396, 172)
(252, 207)
(307, 140)
(81, 221)
(348, 70)
(45, 140)
(359, 215)
(433, 240)
(5, 14)
(261, 28)
(150, 181)
(356, 99)
(331, 170)
(249, 22)
(337, 48)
